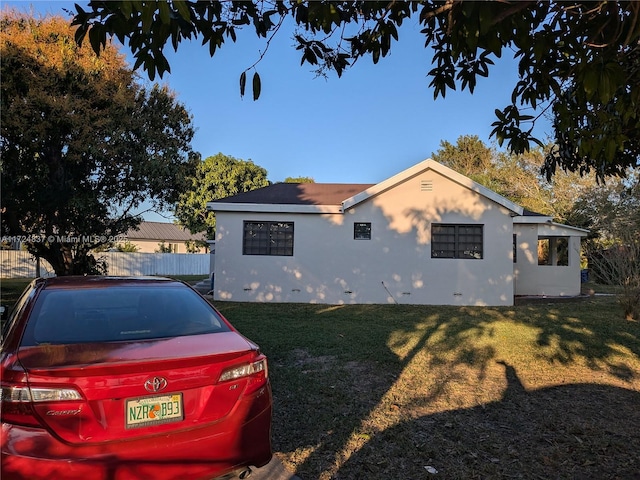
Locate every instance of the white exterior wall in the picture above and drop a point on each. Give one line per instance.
(329, 266)
(540, 280)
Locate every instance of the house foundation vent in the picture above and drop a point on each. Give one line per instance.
(426, 185)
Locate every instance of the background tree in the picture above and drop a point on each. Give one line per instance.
(579, 59)
(164, 248)
(619, 264)
(83, 144)
(472, 158)
(609, 210)
(216, 177)
(299, 180)
(516, 177)
(127, 246)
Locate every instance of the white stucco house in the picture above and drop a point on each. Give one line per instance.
(427, 235)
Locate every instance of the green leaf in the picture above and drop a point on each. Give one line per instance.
(126, 9)
(256, 86)
(165, 14)
(183, 9)
(243, 83)
(590, 82)
(147, 19)
(309, 56)
(95, 37)
(376, 54)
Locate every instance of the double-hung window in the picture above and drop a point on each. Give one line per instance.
(267, 238)
(457, 241)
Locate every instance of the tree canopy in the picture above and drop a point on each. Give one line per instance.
(608, 209)
(83, 144)
(517, 177)
(580, 61)
(216, 177)
(299, 180)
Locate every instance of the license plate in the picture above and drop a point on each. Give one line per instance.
(145, 411)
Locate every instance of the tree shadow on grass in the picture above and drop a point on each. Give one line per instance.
(567, 334)
(440, 397)
(581, 431)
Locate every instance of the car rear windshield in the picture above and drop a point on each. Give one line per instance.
(122, 313)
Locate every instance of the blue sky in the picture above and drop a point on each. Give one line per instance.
(370, 124)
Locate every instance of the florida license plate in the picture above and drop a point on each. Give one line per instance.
(146, 411)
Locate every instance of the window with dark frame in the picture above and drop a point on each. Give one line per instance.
(362, 231)
(457, 241)
(267, 238)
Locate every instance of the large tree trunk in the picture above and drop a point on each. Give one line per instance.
(68, 259)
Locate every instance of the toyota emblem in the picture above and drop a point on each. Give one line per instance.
(155, 384)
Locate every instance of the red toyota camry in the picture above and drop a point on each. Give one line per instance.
(128, 378)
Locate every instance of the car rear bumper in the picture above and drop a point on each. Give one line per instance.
(201, 452)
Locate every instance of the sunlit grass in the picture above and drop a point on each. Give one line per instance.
(11, 288)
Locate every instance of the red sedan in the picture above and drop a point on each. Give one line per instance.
(128, 378)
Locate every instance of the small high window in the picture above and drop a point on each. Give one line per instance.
(456, 241)
(362, 231)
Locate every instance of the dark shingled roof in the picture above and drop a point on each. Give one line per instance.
(530, 213)
(299, 194)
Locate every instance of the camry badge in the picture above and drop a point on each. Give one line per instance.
(155, 384)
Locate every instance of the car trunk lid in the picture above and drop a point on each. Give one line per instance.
(135, 389)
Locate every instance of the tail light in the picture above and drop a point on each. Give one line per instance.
(257, 373)
(17, 402)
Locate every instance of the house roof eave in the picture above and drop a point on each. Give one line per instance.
(547, 227)
(272, 208)
(551, 228)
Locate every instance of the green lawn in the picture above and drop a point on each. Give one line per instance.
(381, 392)
(11, 288)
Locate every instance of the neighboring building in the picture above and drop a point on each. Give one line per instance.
(151, 235)
(427, 235)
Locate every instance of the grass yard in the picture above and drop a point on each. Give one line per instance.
(11, 288)
(396, 392)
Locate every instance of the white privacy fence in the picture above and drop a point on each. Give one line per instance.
(20, 264)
